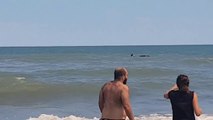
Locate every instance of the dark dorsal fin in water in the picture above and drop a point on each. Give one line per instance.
(144, 56)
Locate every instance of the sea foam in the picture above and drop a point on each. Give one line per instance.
(52, 117)
(142, 117)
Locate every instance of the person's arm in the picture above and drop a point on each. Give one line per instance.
(174, 87)
(126, 103)
(196, 107)
(101, 100)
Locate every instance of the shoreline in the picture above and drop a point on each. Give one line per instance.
(141, 117)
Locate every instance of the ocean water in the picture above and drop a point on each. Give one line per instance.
(63, 83)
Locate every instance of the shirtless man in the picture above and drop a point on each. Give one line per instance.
(114, 100)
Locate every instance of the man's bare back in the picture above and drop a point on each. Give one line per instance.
(114, 100)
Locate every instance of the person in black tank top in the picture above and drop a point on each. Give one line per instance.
(182, 105)
(184, 102)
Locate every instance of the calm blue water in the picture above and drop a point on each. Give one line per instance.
(66, 81)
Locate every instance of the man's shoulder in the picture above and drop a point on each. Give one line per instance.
(124, 87)
(107, 84)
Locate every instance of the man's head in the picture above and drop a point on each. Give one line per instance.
(121, 73)
(182, 82)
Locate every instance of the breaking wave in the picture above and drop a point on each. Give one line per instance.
(142, 117)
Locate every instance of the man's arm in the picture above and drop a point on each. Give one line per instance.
(126, 102)
(174, 87)
(196, 107)
(101, 100)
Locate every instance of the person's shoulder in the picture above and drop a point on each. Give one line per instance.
(193, 93)
(171, 92)
(125, 87)
(106, 84)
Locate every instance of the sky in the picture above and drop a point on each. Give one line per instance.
(105, 22)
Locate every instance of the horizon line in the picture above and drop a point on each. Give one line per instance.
(103, 45)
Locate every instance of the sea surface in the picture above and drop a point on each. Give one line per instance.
(63, 83)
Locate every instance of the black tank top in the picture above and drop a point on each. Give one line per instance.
(182, 106)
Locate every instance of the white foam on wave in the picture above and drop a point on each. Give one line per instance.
(52, 117)
(169, 117)
(20, 78)
(142, 117)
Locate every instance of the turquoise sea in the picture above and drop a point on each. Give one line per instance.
(63, 83)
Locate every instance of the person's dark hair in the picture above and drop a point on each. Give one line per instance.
(119, 72)
(183, 82)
